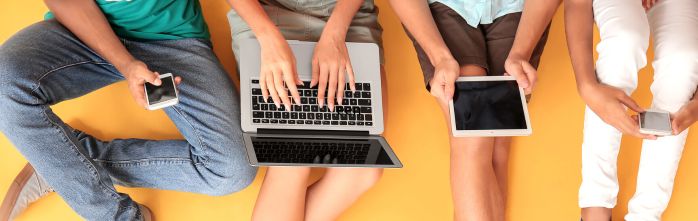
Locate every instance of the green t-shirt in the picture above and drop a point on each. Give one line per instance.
(154, 19)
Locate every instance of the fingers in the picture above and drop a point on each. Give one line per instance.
(281, 89)
(645, 4)
(449, 90)
(630, 126)
(350, 74)
(178, 80)
(315, 73)
(332, 86)
(676, 127)
(518, 72)
(531, 74)
(151, 77)
(680, 122)
(630, 103)
(263, 84)
(438, 89)
(138, 92)
(272, 89)
(291, 79)
(322, 84)
(341, 84)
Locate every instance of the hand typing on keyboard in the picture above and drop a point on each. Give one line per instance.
(278, 71)
(331, 64)
(354, 110)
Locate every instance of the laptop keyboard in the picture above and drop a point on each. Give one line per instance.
(355, 109)
(345, 152)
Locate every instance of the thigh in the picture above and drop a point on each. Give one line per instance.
(46, 64)
(500, 37)
(674, 25)
(466, 43)
(208, 112)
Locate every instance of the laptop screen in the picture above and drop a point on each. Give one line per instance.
(488, 105)
(320, 151)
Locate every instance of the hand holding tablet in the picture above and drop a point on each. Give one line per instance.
(489, 106)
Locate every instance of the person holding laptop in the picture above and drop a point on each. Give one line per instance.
(625, 27)
(464, 38)
(86, 45)
(286, 193)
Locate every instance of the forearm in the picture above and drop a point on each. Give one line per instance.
(416, 16)
(535, 18)
(340, 20)
(84, 19)
(579, 24)
(254, 15)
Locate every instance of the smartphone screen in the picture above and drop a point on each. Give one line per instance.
(657, 121)
(158, 94)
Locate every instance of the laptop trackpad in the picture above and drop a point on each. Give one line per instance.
(320, 152)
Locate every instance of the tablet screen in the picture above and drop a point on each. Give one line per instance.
(488, 105)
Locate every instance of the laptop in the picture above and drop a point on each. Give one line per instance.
(307, 135)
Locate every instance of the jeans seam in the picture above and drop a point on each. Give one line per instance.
(202, 144)
(92, 168)
(143, 162)
(42, 76)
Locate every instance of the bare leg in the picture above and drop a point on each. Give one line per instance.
(474, 186)
(476, 194)
(338, 190)
(596, 214)
(282, 196)
(500, 162)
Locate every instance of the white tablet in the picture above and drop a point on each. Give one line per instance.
(489, 106)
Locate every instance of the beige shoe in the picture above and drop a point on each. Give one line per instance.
(145, 212)
(28, 187)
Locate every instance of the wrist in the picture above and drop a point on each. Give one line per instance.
(123, 64)
(440, 56)
(518, 55)
(270, 37)
(584, 88)
(334, 33)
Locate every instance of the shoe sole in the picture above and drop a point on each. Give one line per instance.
(13, 192)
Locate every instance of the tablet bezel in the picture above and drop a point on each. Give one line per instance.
(491, 133)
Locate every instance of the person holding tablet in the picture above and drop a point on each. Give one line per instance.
(286, 193)
(468, 38)
(85, 45)
(625, 27)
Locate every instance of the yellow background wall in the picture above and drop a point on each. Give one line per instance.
(545, 167)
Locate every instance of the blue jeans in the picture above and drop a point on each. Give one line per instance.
(45, 64)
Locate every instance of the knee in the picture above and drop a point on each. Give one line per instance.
(500, 160)
(232, 184)
(367, 178)
(678, 57)
(472, 150)
(9, 69)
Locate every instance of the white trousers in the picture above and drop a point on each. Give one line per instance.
(625, 30)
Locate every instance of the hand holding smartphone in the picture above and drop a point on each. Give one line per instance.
(161, 96)
(655, 122)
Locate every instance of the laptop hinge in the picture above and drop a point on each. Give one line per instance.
(313, 132)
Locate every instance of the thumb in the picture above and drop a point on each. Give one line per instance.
(630, 103)
(152, 77)
(517, 71)
(531, 74)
